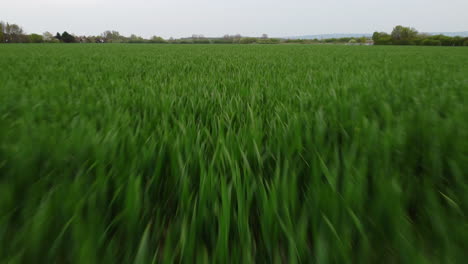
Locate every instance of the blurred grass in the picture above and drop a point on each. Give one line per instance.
(238, 154)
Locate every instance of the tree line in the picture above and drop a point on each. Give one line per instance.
(13, 33)
(409, 36)
(345, 40)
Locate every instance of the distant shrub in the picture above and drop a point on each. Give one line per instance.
(268, 41)
(157, 39)
(248, 40)
(35, 38)
(185, 41)
(431, 42)
(222, 41)
(403, 42)
(201, 41)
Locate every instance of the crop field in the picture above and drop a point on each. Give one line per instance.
(233, 154)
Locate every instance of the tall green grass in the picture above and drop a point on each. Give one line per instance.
(233, 154)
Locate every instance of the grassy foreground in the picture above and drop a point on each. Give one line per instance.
(233, 154)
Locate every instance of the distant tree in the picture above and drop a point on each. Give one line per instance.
(156, 39)
(47, 36)
(90, 39)
(2, 34)
(397, 33)
(457, 41)
(381, 38)
(446, 40)
(13, 33)
(410, 36)
(361, 40)
(58, 36)
(15, 29)
(112, 36)
(376, 36)
(136, 39)
(35, 38)
(264, 36)
(409, 33)
(67, 38)
(403, 35)
(80, 39)
(99, 39)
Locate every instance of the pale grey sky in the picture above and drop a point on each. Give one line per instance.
(179, 18)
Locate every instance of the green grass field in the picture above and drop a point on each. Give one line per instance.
(233, 154)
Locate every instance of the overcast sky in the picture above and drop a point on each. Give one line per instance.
(177, 18)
